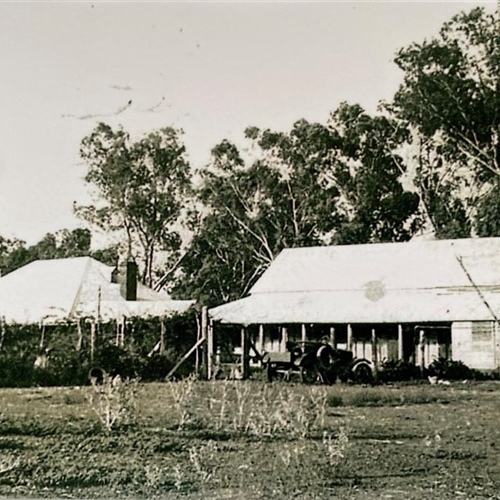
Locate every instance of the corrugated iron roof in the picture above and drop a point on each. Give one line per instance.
(62, 289)
(375, 283)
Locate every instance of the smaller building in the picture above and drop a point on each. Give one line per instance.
(415, 301)
(61, 290)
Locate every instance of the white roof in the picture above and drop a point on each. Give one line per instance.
(421, 281)
(65, 289)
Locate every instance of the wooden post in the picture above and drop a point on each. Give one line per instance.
(304, 333)
(374, 348)
(123, 331)
(162, 335)
(245, 354)
(261, 338)
(333, 339)
(198, 338)
(210, 349)
(421, 346)
(450, 355)
(2, 331)
(42, 336)
(349, 338)
(79, 340)
(400, 342)
(99, 293)
(92, 340)
(284, 339)
(117, 336)
(206, 368)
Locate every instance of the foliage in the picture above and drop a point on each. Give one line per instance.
(368, 171)
(447, 369)
(398, 371)
(62, 244)
(141, 186)
(252, 212)
(450, 99)
(68, 354)
(487, 220)
(451, 87)
(317, 184)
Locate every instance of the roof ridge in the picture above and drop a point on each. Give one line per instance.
(393, 243)
(80, 285)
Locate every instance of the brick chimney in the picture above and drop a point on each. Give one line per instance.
(128, 287)
(126, 275)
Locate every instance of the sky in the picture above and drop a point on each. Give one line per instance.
(212, 69)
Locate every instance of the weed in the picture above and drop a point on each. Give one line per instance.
(242, 400)
(335, 447)
(153, 475)
(178, 477)
(204, 460)
(8, 464)
(183, 392)
(113, 401)
(303, 464)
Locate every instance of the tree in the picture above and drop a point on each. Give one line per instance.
(450, 98)
(368, 170)
(315, 185)
(75, 243)
(13, 254)
(141, 186)
(61, 244)
(252, 210)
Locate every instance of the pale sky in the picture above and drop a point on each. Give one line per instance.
(211, 68)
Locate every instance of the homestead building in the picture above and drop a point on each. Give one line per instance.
(415, 301)
(84, 292)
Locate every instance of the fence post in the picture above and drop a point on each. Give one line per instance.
(2, 331)
(207, 362)
(245, 354)
(92, 340)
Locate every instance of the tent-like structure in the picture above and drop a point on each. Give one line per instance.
(50, 291)
(389, 289)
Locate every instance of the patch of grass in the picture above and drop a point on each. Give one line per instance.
(335, 400)
(255, 440)
(386, 396)
(13, 427)
(74, 398)
(11, 445)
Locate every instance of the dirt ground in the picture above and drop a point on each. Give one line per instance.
(202, 441)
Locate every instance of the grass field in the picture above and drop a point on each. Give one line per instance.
(254, 440)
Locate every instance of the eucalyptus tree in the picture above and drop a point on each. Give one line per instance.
(141, 186)
(450, 97)
(316, 184)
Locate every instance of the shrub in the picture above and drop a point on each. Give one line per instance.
(452, 370)
(69, 366)
(116, 361)
(398, 371)
(16, 371)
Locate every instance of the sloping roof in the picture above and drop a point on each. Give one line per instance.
(411, 282)
(65, 289)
